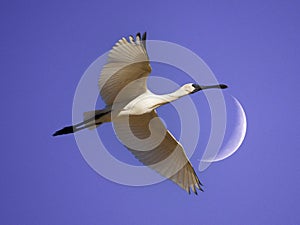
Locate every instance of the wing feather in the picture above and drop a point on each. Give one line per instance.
(163, 154)
(127, 62)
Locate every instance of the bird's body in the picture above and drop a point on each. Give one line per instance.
(130, 105)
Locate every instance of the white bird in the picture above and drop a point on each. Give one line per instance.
(130, 105)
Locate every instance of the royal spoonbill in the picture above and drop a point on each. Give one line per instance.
(123, 87)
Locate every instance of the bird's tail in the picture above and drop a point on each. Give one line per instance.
(92, 119)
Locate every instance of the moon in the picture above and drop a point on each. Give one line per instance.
(236, 136)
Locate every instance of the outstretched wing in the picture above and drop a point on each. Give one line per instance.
(147, 138)
(127, 62)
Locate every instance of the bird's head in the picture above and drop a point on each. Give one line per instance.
(193, 88)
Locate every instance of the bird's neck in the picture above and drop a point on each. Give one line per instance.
(167, 98)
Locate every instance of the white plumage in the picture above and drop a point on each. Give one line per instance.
(131, 107)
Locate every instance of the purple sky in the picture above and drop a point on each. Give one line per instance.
(253, 46)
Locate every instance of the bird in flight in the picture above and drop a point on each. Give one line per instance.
(131, 107)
